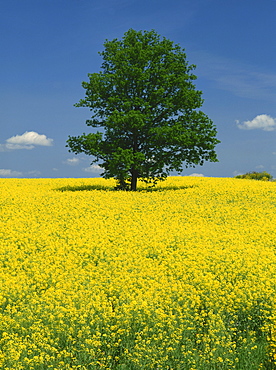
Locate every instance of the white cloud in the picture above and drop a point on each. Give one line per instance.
(237, 173)
(34, 173)
(260, 167)
(72, 161)
(197, 175)
(262, 121)
(95, 168)
(28, 140)
(3, 148)
(9, 173)
(18, 146)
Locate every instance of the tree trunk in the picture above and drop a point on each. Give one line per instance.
(134, 172)
(134, 179)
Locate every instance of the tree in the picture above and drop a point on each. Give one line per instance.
(263, 176)
(146, 103)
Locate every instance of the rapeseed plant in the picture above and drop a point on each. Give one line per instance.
(182, 277)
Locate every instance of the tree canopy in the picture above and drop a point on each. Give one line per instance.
(146, 104)
(264, 176)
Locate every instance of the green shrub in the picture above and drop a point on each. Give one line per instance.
(263, 176)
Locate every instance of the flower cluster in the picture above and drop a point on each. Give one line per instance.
(180, 277)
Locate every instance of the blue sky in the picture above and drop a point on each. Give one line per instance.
(49, 46)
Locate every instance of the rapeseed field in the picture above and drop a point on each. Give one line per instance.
(180, 277)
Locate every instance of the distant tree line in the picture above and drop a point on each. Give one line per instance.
(263, 176)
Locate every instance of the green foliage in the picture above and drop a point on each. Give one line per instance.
(263, 176)
(145, 100)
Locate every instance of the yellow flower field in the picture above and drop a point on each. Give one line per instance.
(183, 277)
